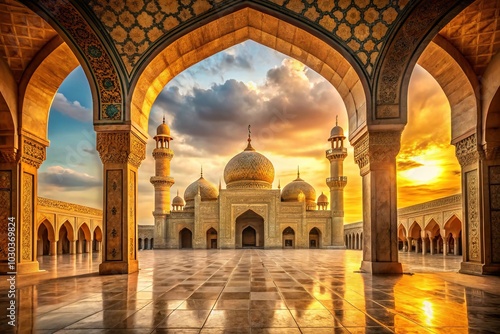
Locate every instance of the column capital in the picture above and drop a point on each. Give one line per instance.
(376, 149)
(33, 150)
(121, 147)
(466, 150)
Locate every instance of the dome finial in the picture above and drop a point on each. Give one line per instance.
(298, 172)
(337, 120)
(279, 184)
(201, 171)
(249, 146)
(163, 119)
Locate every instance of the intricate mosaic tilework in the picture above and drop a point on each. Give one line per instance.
(135, 25)
(99, 61)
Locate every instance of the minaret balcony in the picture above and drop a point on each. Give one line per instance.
(159, 181)
(336, 153)
(336, 182)
(163, 152)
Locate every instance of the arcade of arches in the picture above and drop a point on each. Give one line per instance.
(367, 50)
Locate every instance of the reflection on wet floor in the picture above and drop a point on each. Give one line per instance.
(253, 291)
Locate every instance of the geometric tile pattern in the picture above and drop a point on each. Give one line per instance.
(22, 35)
(475, 32)
(361, 25)
(250, 291)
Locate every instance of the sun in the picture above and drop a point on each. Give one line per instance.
(422, 174)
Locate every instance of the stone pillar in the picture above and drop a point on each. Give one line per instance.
(455, 245)
(18, 198)
(409, 243)
(424, 242)
(431, 245)
(79, 246)
(72, 247)
(480, 206)
(53, 248)
(445, 246)
(121, 152)
(375, 153)
(417, 246)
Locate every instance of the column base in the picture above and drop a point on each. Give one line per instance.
(474, 268)
(382, 267)
(118, 267)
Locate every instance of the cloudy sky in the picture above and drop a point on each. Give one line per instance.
(291, 110)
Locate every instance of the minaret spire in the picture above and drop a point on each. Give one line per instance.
(249, 146)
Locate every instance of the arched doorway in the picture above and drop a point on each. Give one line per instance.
(43, 241)
(288, 238)
(401, 238)
(314, 238)
(249, 230)
(211, 238)
(453, 238)
(97, 242)
(435, 242)
(186, 238)
(140, 244)
(146, 243)
(83, 242)
(65, 239)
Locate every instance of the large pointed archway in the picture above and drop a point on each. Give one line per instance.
(249, 230)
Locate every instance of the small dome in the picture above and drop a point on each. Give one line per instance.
(178, 200)
(337, 131)
(322, 199)
(163, 130)
(208, 192)
(291, 192)
(249, 169)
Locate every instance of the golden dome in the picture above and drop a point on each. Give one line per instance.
(178, 200)
(249, 169)
(322, 199)
(291, 192)
(208, 191)
(163, 129)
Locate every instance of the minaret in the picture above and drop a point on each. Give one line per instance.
(162, 183)
(337, 181)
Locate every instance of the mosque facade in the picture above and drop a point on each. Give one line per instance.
(248, 213)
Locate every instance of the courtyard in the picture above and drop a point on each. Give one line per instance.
(253, 291)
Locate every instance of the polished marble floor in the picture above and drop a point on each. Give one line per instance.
(253, 291)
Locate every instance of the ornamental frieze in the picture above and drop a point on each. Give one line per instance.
(53, 204)
(377, 148)
(120, 147)
(33, 153)
(466, 151)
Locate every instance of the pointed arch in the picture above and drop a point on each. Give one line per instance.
(86, 231)
(415, 230)
(288, 237)
(98, 234)
(224, 31)
(249, 219)
(50, 229)
(402, 232)
(69, 229)
(185, 238)
(211, 238)
(315, 238)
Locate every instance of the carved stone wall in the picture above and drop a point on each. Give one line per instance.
(33, 153)
(27, 216)
(65, 206)
(472, 216)
(114, 210)
(132, 218)
(494, 192)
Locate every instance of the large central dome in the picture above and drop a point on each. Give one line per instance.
(249, 169)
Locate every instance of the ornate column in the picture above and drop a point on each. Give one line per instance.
(409, 243)
(121, 152)
(18, 195)
(455, 245)
(480, 205)
(375, 153)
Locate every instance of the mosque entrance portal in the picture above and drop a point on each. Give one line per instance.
(249, 230)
